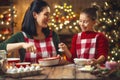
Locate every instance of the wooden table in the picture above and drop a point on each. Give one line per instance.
(69, 71)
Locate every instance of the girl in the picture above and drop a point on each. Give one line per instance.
(88, 44)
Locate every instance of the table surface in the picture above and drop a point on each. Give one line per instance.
(69, 71)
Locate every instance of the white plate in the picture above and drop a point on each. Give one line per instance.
(13, 60)
(24, 64)
(80, 61)
(86, 69)
(49, 61)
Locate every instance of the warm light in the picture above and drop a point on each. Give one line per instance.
(72, 12)
(1, 16)
(110, 12)
(9, 15)
(67, 16)
(56, 10)
(14, 12)
(70, 27)
(106, 3)
(100, 19)
(74, 15)
(116, 54)
(59, 21)
(7, 23)
(99, 31)
(118, 61)
(61, 7)
(56, 6)
(14, 7)
(56, 28)
(53, 20)
(112, 58)
(2, 22)
(117, 17)
(61, 27)
(77, 21)
(104, 13)
(65, 9)
(76, 27)
(103, 27)
(106, 35)
(108, 57)
(65, 4)
(9, 9)
(112, 41)
(114, 20)
(109, 37)
(15, 15)
(0, 35)
(103, 18)
(74, 23)
(3, 37)
(9, 19)
(54, 14)
(70, 6)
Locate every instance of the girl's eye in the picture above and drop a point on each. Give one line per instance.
(84, 21)
(80, 21)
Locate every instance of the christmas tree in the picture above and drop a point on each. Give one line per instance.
(64, 19)
(110, 25)
(7, 15)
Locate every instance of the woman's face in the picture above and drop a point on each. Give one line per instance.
(42, 18)
(86, 23)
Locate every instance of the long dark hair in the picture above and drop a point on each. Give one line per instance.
(28, 24)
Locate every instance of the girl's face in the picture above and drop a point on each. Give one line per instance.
(86, 23)
(42, 18)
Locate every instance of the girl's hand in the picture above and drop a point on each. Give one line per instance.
(63, 60)
(92, 62)
(62, 46)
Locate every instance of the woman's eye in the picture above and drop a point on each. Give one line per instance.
(47, 14)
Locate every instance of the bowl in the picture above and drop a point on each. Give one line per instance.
(49, 61)
(111, 64)
(80, 61)
(13, 60)
(24, 64)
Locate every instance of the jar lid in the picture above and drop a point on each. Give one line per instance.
(2, 52)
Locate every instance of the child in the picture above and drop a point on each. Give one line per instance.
(88, 44)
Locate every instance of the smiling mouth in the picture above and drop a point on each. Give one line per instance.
(84, 27)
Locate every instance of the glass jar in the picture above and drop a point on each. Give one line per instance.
(3, 62)
(2, 54)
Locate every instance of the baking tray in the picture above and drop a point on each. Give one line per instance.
(24, 74)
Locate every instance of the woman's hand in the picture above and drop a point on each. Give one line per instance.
(29, 47)
(15, 46)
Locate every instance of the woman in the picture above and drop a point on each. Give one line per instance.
(88, 44)
(35, 35)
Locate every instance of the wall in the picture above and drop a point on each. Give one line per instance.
(21, 6)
